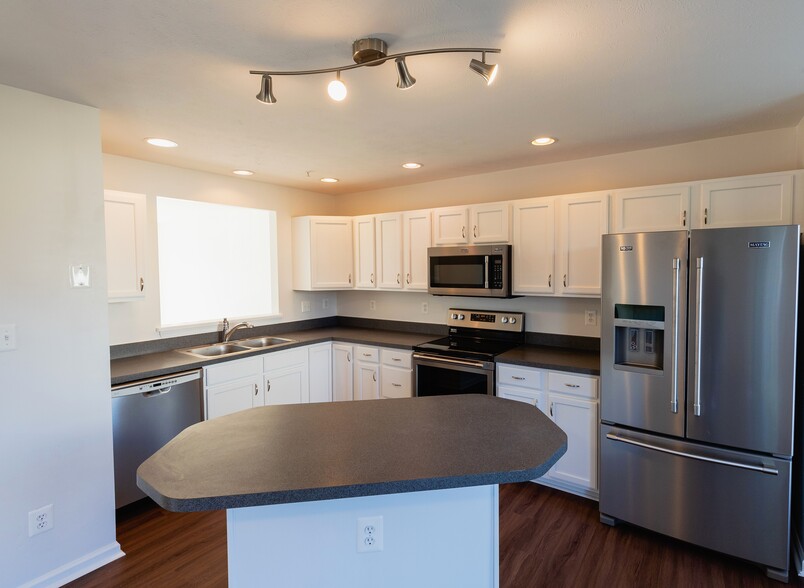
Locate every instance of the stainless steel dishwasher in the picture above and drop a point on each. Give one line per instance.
(146, 414)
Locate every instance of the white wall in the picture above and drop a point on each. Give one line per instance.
(138, 321)
(55, 420)
(800, 143)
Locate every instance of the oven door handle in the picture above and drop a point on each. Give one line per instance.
(438, 359)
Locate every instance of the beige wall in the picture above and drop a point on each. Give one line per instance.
(800, 143)
(738, 155)
(138, 321)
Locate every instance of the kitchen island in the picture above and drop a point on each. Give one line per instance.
(388, 492)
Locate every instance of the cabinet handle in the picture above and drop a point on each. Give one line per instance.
(395, 385)
(706, 215)
(407, 278)
(348, 356)
(396, 359)
(684, 218)
(550, 281)
(367, 355)
(551, 409)
(350, 278)
(399, 279)
(463, 232)
(572, 385)
(517, 378)
(474, 231)
(565, 280)
(374, 376)
(257, 390)
(372, 278)
(142, 284)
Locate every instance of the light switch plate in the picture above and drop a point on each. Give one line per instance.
(8, 337)
(79, 276)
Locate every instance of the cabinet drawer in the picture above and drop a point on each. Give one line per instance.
(512, 375)
(232, 370)
(564, 383)
(367, 353)
(281, 359)
(395, 358)
(396, 382)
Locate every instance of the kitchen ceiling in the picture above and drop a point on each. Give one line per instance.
(603, 76)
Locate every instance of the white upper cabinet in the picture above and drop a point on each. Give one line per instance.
(322, 253)
(765, 199)
(534, 246)
(662, 208)
(365, 248)
(416, 238)
(389, 250)
(460, 225)
(125, 245)
(583, 220)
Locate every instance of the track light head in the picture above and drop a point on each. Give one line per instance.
(265, 94)
(488, 71)
(336, 88)
(405, 79)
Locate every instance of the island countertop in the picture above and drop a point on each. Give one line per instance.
(298, 453)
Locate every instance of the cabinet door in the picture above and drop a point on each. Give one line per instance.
(534, 247)
(331, 253)
(389, 251)
(583, 221)
(342, 355)
(664, 208)
(578, 419)
(532, 397)
(233, 397)
(288, 385)
(365, 249)
(765, 199)
(450, 226)
(367, 381)
(320, 372)
(125, 245)
(491, 223)
(396, 382)
(417, 237)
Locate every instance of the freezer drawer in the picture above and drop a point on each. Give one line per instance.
(668, 486)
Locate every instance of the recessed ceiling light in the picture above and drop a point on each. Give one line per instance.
(243, 172)
(157, 142)
(411, 165)
(329, 180)
(541, 141)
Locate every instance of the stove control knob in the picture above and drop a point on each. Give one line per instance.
(504, 320)
(513, 320)
(454, 316)
(460, 317)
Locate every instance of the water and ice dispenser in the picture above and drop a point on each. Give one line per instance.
(638, 337)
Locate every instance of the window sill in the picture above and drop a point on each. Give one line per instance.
(210, 326)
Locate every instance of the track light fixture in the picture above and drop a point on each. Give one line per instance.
(370, 52)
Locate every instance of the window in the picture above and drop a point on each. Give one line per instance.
(215, 261)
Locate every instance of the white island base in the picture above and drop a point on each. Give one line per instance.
(431, 538)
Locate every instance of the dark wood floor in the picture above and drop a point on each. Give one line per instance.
(547, 538)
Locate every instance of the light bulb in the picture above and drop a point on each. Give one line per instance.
(336, 90)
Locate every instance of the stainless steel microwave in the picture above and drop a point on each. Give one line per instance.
(470, 270)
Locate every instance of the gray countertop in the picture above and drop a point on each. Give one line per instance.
(138, 367)
(308, 452)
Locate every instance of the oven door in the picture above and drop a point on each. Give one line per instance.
(442, 376)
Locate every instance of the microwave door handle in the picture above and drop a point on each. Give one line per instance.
(486, 272)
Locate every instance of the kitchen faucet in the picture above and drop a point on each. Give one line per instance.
(226, 332)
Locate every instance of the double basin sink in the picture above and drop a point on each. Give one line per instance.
(237, 347)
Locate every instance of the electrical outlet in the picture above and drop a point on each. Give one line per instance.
(79, 276)
(424, 308)
(590, 318)
(369, 534)
(40, 520)
(8, 337)
(325, 303)
(372, 305)
(305, 306)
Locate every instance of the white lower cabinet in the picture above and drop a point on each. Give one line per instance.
(320, 360)
(286, 377)
(367, 373)
(396, 375)
(342, 374)
(233, 386)
(571, 401)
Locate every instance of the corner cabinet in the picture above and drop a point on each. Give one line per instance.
(342, 376)
(124, 214)
(322, 253)
(571, 401)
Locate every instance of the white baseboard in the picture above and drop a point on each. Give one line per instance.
(798, 552)
(77, 568)
(582, 492)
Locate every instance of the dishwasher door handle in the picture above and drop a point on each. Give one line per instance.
(160, 392)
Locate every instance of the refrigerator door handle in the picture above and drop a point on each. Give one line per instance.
(696, 407)
(746, 466)
(674, 385)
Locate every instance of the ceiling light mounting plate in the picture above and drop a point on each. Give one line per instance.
(369, 49)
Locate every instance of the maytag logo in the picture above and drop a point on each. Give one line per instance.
(626, 247)
(759, 244)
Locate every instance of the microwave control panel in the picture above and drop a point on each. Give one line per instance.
(496, 278)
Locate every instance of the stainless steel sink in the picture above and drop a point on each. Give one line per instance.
(218, 349)
(260, 342)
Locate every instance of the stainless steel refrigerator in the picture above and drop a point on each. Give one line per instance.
(698, 348)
